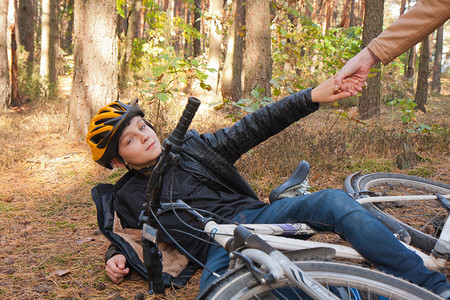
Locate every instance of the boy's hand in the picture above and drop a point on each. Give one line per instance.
(115, 268)
(328, 91)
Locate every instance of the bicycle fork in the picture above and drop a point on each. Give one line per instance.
(278, 264)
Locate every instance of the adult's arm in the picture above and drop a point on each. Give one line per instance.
(412, 27)
(408, 30)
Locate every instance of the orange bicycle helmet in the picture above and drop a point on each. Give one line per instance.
(107, 126)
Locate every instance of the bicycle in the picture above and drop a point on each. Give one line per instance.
(257, 265)
(413, 208)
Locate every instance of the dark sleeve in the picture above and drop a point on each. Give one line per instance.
(181, 279)
(254, 128)
(112, 250)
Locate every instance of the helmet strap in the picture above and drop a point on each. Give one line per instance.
(142, 170)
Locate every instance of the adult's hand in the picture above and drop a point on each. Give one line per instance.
(115, 268)
(328, 92)
(357, 69)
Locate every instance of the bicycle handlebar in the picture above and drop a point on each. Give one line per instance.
(171, 146)
(177, 135)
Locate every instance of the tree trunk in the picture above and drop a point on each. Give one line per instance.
(12, 57)
(436, 82)
(141, 23)
(68, 35)
(26, 22)
(215, 41)
(197, 26)
(352, 14)
(125, 60)
(258, 60)
(178, 39)
(344, 17)
(322, 14)
(402, 7)
(5, 91)
(232, 71)
(410, 57)
(369, 104)
(410, 63)
(422, 76)
(45, 39)
(187, 52)
(329, 14)
(95, 68)
(49, 40)
(361, 12)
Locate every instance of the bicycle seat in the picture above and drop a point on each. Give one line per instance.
(295, 185)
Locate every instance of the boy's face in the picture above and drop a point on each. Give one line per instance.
(139, 145)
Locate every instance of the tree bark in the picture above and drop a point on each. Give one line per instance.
(49, 40)
(436, 82)
(344, 18)
(95, 68)
(258, 59)
(177, 37)
(352, 14)
(12, 57)
(68, 34)
(402, 7)
(197, 26)
(361, 12)
(5, 90)
(215, 42)
(410, 63)
(232, 71)
(141, 23)
(410, 56)
(329, 14)
(26, 22)
(132, 25)
(369, 104)
(422, 76)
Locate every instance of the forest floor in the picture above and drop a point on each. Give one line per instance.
(50, 246)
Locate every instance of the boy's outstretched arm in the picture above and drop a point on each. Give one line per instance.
(328, 91)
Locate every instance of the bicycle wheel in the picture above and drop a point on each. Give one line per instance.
(422, 219)
(345, 281)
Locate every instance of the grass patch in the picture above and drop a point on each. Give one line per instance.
(421, 172)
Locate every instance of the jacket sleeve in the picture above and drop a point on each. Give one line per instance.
(254, 128)
(111, 251)
(412, 27)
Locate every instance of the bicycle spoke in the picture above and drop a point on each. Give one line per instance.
(425, 216)
(423, 219)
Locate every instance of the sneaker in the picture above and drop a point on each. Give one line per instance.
(296, 185)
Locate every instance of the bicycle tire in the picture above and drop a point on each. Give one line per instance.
(423, 220)
(370, 284)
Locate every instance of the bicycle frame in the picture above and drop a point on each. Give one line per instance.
(275, 236)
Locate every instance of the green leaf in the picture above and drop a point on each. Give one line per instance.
(162, 96)
(157, 71)
(194, 62)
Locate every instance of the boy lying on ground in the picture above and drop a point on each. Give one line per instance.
(206, 179)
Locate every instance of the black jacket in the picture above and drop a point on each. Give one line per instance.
(210, 157)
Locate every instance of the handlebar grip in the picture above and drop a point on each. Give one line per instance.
(244, 237)
(176, 137)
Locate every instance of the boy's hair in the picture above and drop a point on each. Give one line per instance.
(106, 128)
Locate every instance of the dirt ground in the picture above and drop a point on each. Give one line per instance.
(50, 246)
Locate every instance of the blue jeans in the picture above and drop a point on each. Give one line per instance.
(334, 210)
